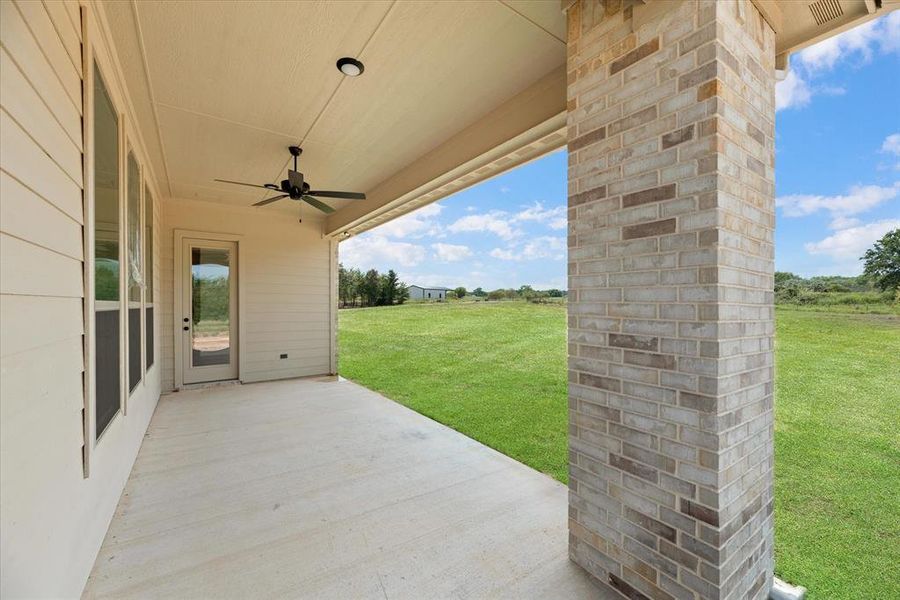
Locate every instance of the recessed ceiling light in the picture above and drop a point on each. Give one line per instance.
(350, 66)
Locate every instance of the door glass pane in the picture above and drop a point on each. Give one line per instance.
(106, 255)
(210, 307)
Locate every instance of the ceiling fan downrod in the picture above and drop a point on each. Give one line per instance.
(295, 152)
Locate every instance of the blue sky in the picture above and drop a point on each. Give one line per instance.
(837, 184)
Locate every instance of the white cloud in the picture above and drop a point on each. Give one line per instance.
(416, 224)
(844, 223)
(860, 44)
(543, 247)
(504, 254)
(859, 41)
(370, 251)
(495, 222)
(503, 224)
(858, 200)
(792, 92)
(848, 245)
(831, 90)
(890, 41)
(554, 218)
(451, 252)
(891, 144)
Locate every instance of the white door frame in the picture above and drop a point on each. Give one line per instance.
(179, 236)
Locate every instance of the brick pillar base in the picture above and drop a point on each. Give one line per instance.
(671, 109)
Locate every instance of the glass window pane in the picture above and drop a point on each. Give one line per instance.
(106, 255)
(210, 306)
(135, 270)
(148, 245)
(148, 273)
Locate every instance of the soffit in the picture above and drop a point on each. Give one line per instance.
(233, 83)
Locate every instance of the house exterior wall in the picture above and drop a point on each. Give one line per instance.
(53, 518)
(288, 292)
(671, 217)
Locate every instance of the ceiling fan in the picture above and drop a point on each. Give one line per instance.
(295, 188)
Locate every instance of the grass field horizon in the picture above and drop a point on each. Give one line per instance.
(496, 372)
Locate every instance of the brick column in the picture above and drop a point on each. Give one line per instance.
(671, 109)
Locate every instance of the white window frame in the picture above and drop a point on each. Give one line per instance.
(95, 51)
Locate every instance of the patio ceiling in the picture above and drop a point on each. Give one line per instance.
(220, 89)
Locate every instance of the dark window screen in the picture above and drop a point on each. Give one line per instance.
(107, 257)
(134, 347)
(149, 328)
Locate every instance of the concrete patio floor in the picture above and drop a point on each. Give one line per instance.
(322, 488)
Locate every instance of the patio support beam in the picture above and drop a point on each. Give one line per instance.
(671, 125)
(529, 125)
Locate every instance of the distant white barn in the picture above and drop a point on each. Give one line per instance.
(417, 292)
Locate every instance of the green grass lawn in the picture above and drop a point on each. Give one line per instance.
(837, 453)
(497, 373)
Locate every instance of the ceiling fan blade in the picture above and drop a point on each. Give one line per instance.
(270, 200)
(345, 195)
(320, 205)
(296, 179)
(268, 186)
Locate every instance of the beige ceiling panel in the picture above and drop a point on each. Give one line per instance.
(125, 38)
(431, 70)
(266, 64)
(546, 14)
(200, 149)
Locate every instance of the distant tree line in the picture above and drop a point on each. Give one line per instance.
(525, 292)
(371, 288)
(209, 299)
(830, 289)
(879, 283)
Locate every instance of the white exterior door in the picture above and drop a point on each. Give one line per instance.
(209, 326)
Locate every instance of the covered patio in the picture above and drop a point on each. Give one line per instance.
(322, 488)
(140, 144)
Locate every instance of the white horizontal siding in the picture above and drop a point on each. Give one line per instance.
(41, 300)
(53, 519)
(27, 216)
(286, 290)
